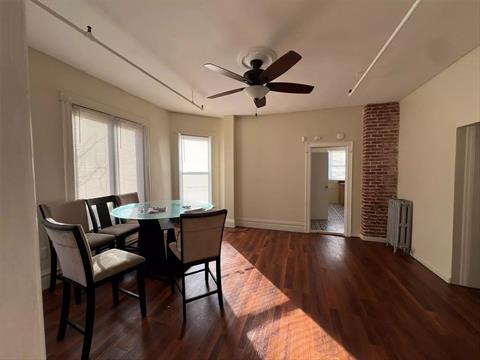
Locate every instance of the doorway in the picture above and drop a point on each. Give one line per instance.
(328, 188)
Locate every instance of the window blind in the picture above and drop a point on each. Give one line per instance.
(108, 154)
(195, 168)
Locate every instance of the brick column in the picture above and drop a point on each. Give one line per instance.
(380, 169)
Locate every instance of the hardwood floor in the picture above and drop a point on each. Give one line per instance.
(287, 295)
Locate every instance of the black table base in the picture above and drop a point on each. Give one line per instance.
(153, 246)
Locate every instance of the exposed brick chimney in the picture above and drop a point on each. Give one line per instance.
(380, 166)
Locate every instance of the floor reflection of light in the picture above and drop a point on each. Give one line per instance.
(277, 326)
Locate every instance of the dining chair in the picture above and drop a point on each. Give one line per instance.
(128, 198)
(72, 212)
(131, 242)
(99, 209)
(199, 242)
(84, 271)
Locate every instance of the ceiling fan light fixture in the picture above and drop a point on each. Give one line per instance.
(256, 91)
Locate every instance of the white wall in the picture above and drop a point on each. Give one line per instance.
(429, 118)
(21, 311)
(270, 164)
(48, 77)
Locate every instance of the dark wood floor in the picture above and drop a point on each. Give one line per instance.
(288, 296)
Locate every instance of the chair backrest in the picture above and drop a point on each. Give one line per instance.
(201, 235)
(99, 209)
(67, 212)
(72, 250)
(129, 198)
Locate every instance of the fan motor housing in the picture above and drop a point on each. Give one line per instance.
(252, 75)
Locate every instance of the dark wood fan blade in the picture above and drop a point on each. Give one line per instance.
(260, 102)
(225, 93)
(224, 72)
(280, 66)
(293, 88)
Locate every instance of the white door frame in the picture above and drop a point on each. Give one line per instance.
(348, 145)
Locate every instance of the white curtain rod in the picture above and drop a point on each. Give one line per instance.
(384, 47)
(89, 35)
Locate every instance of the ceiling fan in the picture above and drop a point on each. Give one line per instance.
(259, 81)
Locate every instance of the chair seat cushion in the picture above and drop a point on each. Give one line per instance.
(120, 230)
(114, 261)
(96, 240)
(176, 251)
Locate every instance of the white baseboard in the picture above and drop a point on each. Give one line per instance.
(230, 223)
(372, 238)
(292, 226)
(45, 280)
(432, 268)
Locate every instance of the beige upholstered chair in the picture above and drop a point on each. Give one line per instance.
(73, 212)
(84, 271)
(199, 242)
(131, 242)
(99, 209)
(129, 198)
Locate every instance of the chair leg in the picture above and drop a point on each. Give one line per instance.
(171, 236)
(141, 290)
(206, 273)
(121, 243)
(219, 284)
(53, 269)
(65, 310)
(171, 271)
(115, 291)
(89, 320)
(78, 295)
(184, 304)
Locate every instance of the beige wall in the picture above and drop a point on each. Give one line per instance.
(21, 312)
(428, 123)
(201, 126)
(48, 77)
(270, 163)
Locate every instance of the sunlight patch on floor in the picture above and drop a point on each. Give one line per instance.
(272, 315)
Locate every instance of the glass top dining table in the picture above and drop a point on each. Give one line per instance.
(169, 209)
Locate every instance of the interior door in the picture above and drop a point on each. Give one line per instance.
(319, 186)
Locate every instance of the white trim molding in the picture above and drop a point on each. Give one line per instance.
(441, 275)
(372, 238)
(348, 146)
(230, 223)
(281, 225)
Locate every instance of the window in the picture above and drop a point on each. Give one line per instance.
(195, 168)
(336, 164)
(108, 154)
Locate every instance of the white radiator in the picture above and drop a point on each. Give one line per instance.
(399, 225)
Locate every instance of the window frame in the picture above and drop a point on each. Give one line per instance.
(330, 177)
(114, 131)
(180, 165)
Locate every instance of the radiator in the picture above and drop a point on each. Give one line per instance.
(399, 225)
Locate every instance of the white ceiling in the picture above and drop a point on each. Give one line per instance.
(337, 39)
